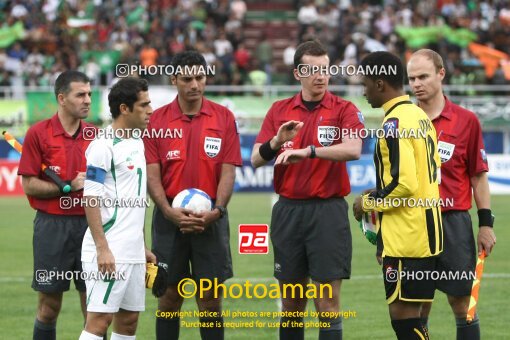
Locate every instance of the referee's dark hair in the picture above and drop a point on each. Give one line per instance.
(125, 91)
(188, 58)
(387, 61)
(64, 80)
(311, 47)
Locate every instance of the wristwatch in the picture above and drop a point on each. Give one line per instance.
(223, 210)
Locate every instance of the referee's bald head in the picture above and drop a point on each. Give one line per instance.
(386, 66)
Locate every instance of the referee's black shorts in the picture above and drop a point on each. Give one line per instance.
(57, 249)
(457, 262)
(207, 253)
(311, 238)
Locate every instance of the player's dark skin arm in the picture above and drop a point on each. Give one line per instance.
(486, 236)
(223, 193)
(105, 258)
(36, 187)
(179, 216)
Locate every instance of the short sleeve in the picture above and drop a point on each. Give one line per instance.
(267, 131)
(99, 163)
(31, 157)
(351, 118)
(232, 153)
(476, 156)
(151, 146)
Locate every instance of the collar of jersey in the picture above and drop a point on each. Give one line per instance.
(392, 102)
(58, 129)
(326, 101)
(176, 113)
(447, 109)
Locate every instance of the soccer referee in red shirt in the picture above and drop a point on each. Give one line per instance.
(58, 233)
(463, 168)
(309, 226)
(204, 158)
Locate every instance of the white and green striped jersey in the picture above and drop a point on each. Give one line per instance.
(116, 174)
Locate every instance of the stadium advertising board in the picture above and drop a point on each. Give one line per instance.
(499, 174)
(10, 182)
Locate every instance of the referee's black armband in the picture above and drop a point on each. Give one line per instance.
(485, 218)
(266, 152)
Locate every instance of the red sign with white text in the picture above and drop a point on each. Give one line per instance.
(10, 182)
(253, 239)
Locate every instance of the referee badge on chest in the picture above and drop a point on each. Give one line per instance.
(212, 146)
(445, 151)
(326, 135)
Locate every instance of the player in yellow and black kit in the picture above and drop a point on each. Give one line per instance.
(407, 195)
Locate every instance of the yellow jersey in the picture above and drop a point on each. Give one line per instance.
(408, 173)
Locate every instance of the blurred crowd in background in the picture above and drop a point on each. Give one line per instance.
(40, 39)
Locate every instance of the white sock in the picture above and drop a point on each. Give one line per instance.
(116, 336)
(89, 336)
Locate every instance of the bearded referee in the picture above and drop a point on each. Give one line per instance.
(463, 169)
(407, 167)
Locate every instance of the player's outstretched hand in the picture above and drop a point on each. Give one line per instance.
(292, 156)
(78, 182)
(105, 260)
(486, 240)
(357, 209)
(288, 131)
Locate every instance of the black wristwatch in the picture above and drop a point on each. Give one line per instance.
(223, 210)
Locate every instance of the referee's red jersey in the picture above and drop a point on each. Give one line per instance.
(311, 178)
(460, 146)
(47, 143)
(209, 139)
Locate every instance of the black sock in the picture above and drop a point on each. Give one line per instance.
(467, 331)
(290, 331)
(44, 331)
(216, 332)
(333, 332)
(425, 322)
(167, 329)
(409, 329)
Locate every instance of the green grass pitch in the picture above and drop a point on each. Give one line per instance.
(362, 294)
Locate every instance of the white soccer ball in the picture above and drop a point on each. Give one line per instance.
(193, 199)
